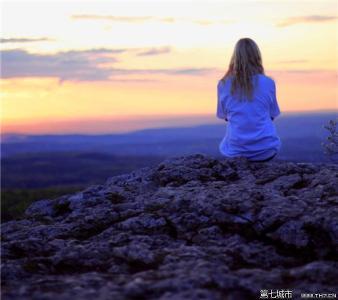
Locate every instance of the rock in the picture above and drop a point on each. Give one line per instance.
(192, 227)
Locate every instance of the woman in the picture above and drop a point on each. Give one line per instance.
(247, 101)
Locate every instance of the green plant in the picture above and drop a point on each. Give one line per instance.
(331, 143)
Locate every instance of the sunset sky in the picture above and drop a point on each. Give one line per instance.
(115, 66)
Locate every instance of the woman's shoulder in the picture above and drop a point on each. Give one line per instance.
(224, 81)
(266, 79)
(263, 80)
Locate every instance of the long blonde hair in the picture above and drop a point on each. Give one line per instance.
(245, 62)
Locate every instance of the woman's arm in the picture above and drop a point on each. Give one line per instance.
(220, 113)
(274, 107)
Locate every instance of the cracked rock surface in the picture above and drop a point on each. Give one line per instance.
(192, 227)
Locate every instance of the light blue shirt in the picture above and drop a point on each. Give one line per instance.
(250, 130)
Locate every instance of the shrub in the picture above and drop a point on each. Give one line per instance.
(331, 143)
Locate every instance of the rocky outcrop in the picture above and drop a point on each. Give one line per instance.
(193, 227)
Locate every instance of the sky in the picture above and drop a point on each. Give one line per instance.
(116, 66)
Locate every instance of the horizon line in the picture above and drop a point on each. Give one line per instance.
(286, 113)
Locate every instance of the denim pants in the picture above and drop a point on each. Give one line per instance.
(267, 159)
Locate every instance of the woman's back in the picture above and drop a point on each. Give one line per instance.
(250, 131)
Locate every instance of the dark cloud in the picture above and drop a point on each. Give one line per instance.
(154, 51)
(24, 40)
(306, 19)
(76, 65)
(66, 65)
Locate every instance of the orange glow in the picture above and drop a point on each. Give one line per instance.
(169, 62)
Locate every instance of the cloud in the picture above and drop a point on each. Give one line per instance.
(77, 65)
(191, 71)
(154, 51)
(133, 19)
(293, 61)
(24, 40)
(142, 19)
(174, 71)
(212, 22)
(66, 65)
(306, 71)
(306, 19)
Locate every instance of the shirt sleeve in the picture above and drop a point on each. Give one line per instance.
(274, 108)
(221, 113)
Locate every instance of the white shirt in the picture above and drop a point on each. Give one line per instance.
(250, 130)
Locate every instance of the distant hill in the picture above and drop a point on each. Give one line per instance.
(38, 166)
(301, 135)
(27, 177)
(46, 169)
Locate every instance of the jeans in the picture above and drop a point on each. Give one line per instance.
(267, 159)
